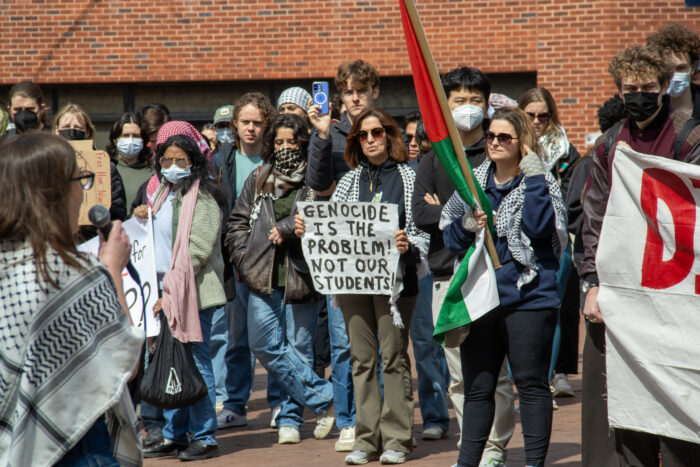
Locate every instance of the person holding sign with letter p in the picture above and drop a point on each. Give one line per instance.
(377, 155)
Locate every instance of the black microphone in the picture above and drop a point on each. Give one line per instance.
(100, 217)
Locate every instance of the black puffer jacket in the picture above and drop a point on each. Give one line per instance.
(251, 251)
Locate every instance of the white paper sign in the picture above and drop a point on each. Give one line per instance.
(350, 247)
(143, 258)
(648, 263)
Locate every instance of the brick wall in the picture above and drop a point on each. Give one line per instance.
(567, 42)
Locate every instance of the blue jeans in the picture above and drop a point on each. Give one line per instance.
(341, 368)
(240, 364)
(271, 345)
(431, 365)
(92, 450)
(217, 349)
(200, 417)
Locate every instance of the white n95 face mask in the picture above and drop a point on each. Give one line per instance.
(468, 116)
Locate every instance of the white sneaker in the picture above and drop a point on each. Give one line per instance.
(228, 418)
(562, 387)
(491, 462)
(359, 458)
(324, 423)
(288, 435)
(273, 418)
(393, 457)
(346, 440)
(433, 432)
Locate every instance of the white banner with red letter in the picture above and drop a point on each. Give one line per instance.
(648, 264)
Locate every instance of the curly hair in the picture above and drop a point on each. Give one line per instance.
(361, 73)
(678, 39)
(257, 99)
(639, 62)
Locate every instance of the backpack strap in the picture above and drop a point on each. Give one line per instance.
(611, 134)
(682, 136)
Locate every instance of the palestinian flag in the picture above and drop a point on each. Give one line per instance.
(472, 289)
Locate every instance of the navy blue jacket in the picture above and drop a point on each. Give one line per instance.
(538, 225)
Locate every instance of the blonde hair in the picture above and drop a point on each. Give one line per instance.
(639, 62)
(80, 114)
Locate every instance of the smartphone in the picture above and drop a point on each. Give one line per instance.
(320, 94)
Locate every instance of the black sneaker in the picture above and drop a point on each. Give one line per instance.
(163, 449)
(197, 451)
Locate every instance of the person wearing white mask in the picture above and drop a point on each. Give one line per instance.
(128, 150)
(680, 47)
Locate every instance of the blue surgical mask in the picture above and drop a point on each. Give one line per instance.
(129, 147)
(679, 83)
(224, 135)
(175, 174)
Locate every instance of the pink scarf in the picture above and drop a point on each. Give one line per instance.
(173, 128)
(179, 288)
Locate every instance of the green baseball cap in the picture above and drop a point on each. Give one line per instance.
(223, 114)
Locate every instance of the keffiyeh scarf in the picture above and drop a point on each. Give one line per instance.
(555, 145)
(65, 357)
(288, 171)
(509, 221)
(348, 190)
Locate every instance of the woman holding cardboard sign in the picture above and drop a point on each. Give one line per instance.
(269, 260)
(530, 227)
(377, 155)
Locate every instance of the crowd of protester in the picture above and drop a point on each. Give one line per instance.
(224, 206)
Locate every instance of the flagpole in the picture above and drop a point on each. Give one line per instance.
(447, 114)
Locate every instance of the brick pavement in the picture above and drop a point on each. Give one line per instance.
(256, 444)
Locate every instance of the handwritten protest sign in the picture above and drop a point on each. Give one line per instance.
(143, 258)
(98, 162)
(350, 247)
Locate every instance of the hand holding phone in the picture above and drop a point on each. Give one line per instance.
(320, 95)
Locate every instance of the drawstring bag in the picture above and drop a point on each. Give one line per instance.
(172, 380)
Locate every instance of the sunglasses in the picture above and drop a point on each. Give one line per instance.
(86, 179)
(543, 118)
(504, 139)
(376, 133)
(166, 163)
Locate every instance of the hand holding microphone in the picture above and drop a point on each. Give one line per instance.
(115, 248)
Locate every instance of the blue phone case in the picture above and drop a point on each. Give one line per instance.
(321, 96)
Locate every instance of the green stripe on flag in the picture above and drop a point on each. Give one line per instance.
(453, 312)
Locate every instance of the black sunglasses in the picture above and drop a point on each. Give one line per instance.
(543, 118)
(504, 139)
(86, 179)
(376, 133)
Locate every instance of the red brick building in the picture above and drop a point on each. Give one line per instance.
(112, 56)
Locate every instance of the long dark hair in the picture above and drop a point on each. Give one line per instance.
(116, 131)
(35, 169)
(200, 167)
(291, 121)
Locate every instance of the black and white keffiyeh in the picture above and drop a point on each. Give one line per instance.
(348, 190)
(65, 357)
(509, 220)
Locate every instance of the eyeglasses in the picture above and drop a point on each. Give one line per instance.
(543, 117)
(376, 133)
(86, 179)
(181, 162)
(504, 139)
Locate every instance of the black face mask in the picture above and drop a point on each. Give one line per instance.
(641, 105)
(26, 120)
(72, 134)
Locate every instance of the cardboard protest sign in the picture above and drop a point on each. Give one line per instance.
(648, 263)
(144, 260)
(98, 162)
(350, 247)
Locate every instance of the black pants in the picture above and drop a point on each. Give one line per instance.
(569, 317)
(526, 337)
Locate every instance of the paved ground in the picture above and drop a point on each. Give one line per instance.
(256, 444)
